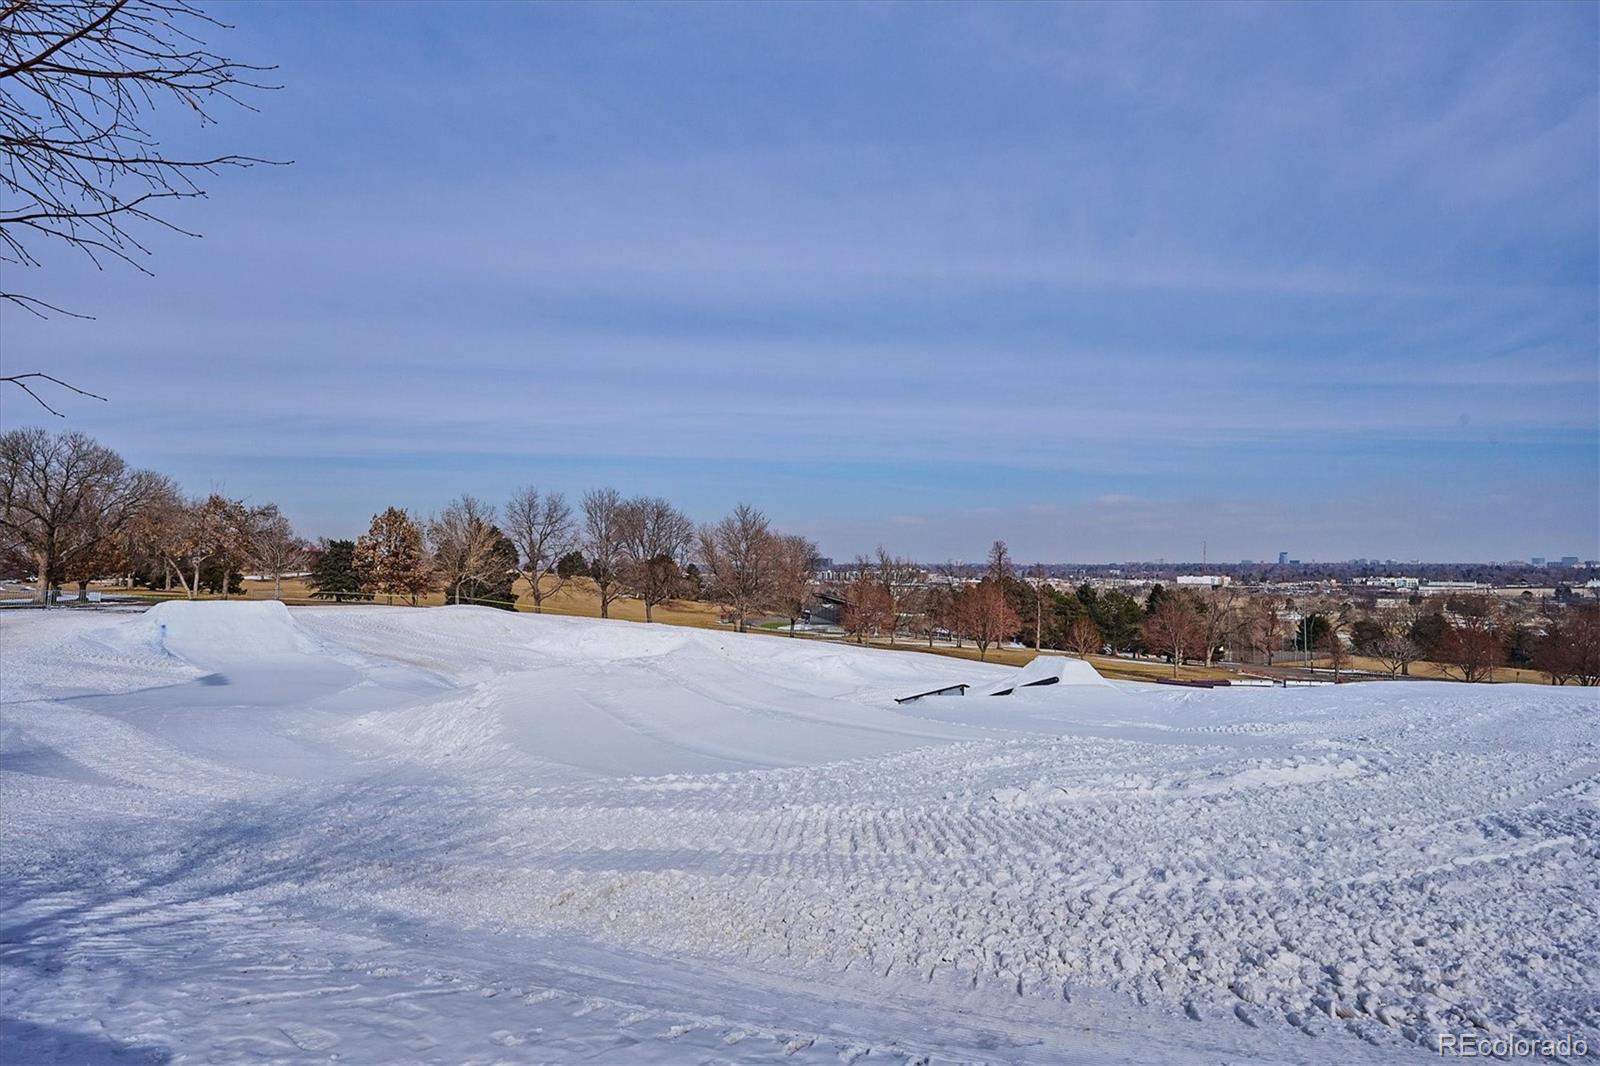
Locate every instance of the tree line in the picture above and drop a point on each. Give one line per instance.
(640, 548)
(73, 511)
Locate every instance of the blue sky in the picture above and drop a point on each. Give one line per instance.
(1110, 282)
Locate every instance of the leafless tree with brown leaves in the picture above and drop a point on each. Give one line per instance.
(1083, 637)
(1473, 642)
(796, 563)
(985, 614)
(869, 608)
(1174, 629)
(61, 495)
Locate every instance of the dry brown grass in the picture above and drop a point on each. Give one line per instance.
(579, 598)
(1108, 666)
(1433, 671)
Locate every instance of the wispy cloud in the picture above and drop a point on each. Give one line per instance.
(864, 265)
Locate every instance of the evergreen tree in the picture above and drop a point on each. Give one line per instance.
(333, 575)
(1119, 618)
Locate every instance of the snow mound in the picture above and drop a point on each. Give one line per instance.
(1047, 670)
(390, 834)
(213, 633)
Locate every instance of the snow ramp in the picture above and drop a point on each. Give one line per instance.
(1047, 670)
(215, 633)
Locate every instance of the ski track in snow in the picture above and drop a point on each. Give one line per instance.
(374, 834)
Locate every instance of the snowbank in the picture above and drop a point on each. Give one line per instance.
(465, 835)
(1046, 670)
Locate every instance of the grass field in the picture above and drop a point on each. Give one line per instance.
(580, 598)
(1432, 671)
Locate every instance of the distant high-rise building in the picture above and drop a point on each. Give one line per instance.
(1283, 558)
(1569, 560)
(1537, 560)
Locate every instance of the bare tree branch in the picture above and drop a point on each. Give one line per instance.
(78, 165)
(20, 381)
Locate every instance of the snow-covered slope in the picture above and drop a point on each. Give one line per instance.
(239, 832)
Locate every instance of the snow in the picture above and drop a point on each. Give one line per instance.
(1047, 670)
(240, 832)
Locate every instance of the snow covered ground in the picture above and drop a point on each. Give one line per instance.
(363, 834)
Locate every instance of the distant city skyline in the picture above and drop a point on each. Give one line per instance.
(1105, 281)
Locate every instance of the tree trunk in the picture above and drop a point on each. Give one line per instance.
(277, 586)
(83, 592)
(43, 560)
(195, 591)
(647, 617)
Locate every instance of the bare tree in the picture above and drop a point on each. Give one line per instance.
(896, 575)
(541, 527)
(740, 562)
(795, 562)
(61, 495)
(465, 542)
(930, 605)
(999, 561)
(279, 551)
(1570, 647)
(1472, 641)
(1396, 651)
(1266, 625)
(1083, 637)
(1036, 577)
(869, 609)
(82, 166)
(602, 525)
(985, 614)
(655, 545)
(1174, 628)
(1219, 618)
(1338, 654)
(238, 549)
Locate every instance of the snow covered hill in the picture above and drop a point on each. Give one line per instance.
(235, 832)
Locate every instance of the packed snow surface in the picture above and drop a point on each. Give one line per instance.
(235, 832)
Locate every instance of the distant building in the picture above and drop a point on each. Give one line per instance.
(1389, 582)
(1212, 580)
(1537, 560)
(1569, 560)
(1283, 558)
